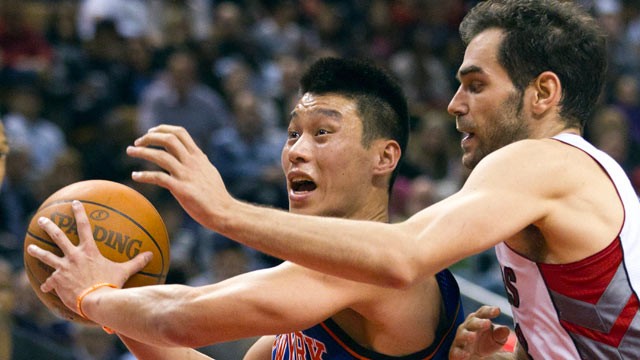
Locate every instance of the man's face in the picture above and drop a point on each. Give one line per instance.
(488, 108)
(328, 170)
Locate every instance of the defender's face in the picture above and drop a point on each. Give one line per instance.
(487, 106)
(328, 170)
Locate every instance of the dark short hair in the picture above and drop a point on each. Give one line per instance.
(547, 35)
(380, 101)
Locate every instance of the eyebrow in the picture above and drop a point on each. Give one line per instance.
(469, 70)
(323, 112)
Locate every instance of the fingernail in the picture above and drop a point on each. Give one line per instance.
(135, 175)
(32, 249)
(42, 220)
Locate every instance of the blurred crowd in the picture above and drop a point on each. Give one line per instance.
(80, 80)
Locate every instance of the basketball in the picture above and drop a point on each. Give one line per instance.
(124, 224)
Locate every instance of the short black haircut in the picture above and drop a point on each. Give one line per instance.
(547, 35)
(379, 98)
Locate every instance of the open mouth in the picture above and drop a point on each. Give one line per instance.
(302, 186)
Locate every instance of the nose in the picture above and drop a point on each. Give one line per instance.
(298, 150)
(457, 106)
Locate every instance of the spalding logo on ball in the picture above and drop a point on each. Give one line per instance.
(124, 223)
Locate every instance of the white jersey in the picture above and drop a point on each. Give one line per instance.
(588, 309)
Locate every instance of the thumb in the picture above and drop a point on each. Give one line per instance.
(139, 262)
(501, 334)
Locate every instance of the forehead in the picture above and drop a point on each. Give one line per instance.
(326, 105)
(481, 55)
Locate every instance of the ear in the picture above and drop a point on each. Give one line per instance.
(547, 92)
(387, 157)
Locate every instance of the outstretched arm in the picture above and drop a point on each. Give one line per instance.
(386, 254)
(268, 301)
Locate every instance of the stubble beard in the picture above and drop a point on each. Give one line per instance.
(505, 127)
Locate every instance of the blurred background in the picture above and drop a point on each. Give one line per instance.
(80, 80)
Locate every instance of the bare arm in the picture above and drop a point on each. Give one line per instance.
(261, 349)
(385, 254)
(262, 302)
(269, 301)
(144, 351)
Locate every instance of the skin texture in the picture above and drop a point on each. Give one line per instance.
(172, 319)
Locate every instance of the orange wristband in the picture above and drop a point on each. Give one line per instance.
(88, 291)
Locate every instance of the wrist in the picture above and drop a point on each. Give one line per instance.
(82, 300)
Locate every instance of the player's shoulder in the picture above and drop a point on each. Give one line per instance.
(526, 164)
(534, 154)
(531, 147)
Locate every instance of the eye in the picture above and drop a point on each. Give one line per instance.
(475, 87)
(322, 132)
(292, 134)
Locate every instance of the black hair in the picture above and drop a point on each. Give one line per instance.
(380, 101)
(547, 35)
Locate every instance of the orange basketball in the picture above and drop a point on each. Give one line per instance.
(124, 223)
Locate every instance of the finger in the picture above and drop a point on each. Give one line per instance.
(137, 263)
(457, 353)
(175, 140)
(57, 235)
(477, 324)
(48, 284)
(186, 140)
(82, 221)
(500, 334)
(159, 157)
(487, 312)
(45, 256)
(154, 177)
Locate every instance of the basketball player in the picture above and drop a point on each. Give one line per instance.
(346, 136)
(562, 215)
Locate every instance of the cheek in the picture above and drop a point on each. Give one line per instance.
(284, 159)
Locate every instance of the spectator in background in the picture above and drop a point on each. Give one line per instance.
(247, 152)
(609, 130)
(195, 15)
(24, 52)
(131, 17)
(26, 128)
(285, 92)
(278, 32)
(31, 317)
(627, 98)
(17, 202)
(178, 97)
(7, 301)
(140, 63)
(68, 61)
(230, 34)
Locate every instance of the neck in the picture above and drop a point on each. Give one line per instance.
(553, 129)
